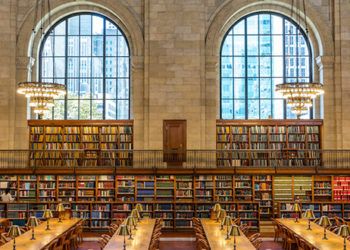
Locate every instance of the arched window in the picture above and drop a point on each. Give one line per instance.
(90, 54)
(258, 52)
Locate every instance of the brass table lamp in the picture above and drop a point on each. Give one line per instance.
(123, 231)
(47, 215)
(344, 232)
(309, 214)
(325, 222)
(234, 231)
(32, 222)
(130, 222)
(297, 210)
(13, 233)
(60, 209)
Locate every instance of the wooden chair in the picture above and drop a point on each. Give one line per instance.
(59, 243)
(51, 245)
(202, 245)
(278, 231)
(67, 243)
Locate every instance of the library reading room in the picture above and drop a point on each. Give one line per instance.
(174, 124)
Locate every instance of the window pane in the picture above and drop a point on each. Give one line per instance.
(60, 29)
(85, 66)
(97, 45)
(60, 49)
(265, 109)
(59, 110)
(85, 25)
(123, 109)
(265, 24)
(111, 88)
(239, 109)
(84, 110)
(85, 88)
(111, 29)
(239, 86)
(123, 49)
(227, 46)
(253, 45)
(226, 87)
(277, 24)
(123, 89)
(277, 45)
(265, 45)
(277, 66)
(97, 67)
(85, 46)
(253, 67)
(111, 46)
(73, 25)
(239, 67)
(73, 46)
(47, 49)
(97, 109)
(47, 67)
(252, 24)
(72, 89)
(97, 89)
(227, 109)
(72, 106)
(123, 67)
(239, 45)
(97, 25)
(265, 66)
(73, 66)
(253, 88)
(111, 108)
(265, 87)
(226, 66)
(276, 81)
(278, 107)
(111, 67)
(239, 28)
(253, 109)
(60, 68)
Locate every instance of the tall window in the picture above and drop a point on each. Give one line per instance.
(258, 52)
(90, 54)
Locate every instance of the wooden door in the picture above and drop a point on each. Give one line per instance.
(174, 142)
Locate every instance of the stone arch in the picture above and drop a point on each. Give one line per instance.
(320, 35)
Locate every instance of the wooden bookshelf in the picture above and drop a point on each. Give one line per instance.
(287, 136)
(93, 138)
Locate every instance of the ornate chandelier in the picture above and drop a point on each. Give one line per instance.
(41, 94)
(299, 95)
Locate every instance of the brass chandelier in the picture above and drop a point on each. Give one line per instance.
(41, 94)
(299, 95)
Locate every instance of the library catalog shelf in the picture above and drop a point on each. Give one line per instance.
(195, 159)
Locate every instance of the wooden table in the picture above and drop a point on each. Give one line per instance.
(314, 236)
(142, 237)
(216, 237)
(43, 236)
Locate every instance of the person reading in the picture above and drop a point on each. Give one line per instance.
(7, 197)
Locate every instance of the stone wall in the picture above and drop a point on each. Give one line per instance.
(175, 62)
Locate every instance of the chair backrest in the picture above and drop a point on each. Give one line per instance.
(202, 244)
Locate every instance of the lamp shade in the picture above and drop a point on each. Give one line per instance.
(14, 231)
(135, 213)
(324, 221)
(309, 214)
(60, 207)
(234, 231)
(344, 231)
(123, 230)
(130, 221)
(32, 222)
(217, 208)
(227, 221)
(139, 207)
(47, 214)
(296, 207)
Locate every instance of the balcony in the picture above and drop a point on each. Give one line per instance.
(158, 161)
